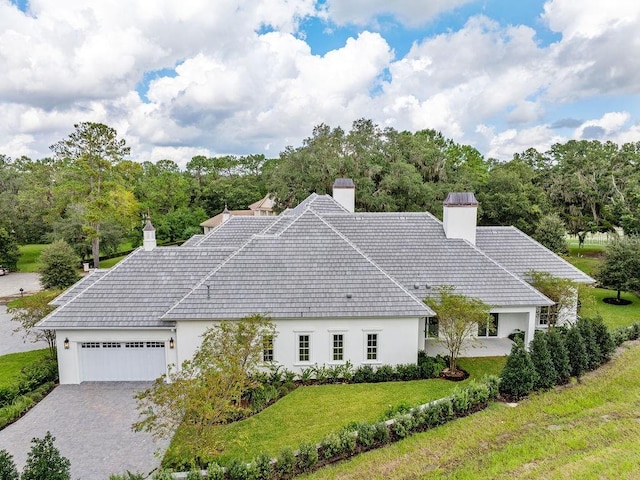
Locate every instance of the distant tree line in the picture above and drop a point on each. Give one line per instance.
(93, 196)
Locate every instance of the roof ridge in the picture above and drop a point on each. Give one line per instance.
(526, 284)
(366, 257)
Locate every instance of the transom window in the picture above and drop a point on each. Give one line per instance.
(372, 346)
(267, 349)
(489, 329)
(338, 347)
(304, 348)
(110, 345)
(134, 345)
(155, 344)
(90, 345)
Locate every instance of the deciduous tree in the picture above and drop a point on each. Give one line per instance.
(458, 320)
(58, 266)
(9, 251)
(30, 310)
(208, 389)
(621, 267)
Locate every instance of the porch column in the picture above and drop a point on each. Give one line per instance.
(531, 327)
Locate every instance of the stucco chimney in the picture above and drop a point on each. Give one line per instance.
(460, 216)
(344, 192)
(149, 236)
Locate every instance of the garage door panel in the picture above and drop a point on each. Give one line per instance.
(122, 361)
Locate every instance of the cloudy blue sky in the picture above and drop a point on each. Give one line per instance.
(189, 77)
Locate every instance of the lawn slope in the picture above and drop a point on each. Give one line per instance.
(587, 430)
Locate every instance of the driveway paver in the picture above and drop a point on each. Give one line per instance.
(92, 426)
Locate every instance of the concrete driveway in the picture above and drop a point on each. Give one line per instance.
(92, 426)
(11, 284)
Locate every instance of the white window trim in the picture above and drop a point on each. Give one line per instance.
(344, 347)
(377, 361)
(296, 350)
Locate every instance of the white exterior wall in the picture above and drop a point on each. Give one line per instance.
(521, 318)
(460, 222)
(69, 360)
(398, 340)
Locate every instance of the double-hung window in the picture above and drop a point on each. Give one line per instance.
(267, 348)
(337, 347)
(304, 347)
(372, 347)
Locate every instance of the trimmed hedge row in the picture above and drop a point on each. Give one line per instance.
(32, 376)
(352, 439)
(22, 403)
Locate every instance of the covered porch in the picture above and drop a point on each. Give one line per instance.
(478, 347)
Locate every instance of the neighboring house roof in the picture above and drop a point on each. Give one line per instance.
(519, 253)
(316, 260)
(264, 205)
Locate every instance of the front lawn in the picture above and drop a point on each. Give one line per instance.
(29, 256)
(309, 413)
(614, 316)
(587, 430)
(12, 364)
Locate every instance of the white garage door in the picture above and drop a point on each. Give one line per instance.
(121, 361)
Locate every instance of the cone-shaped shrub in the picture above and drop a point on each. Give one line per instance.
(543, 363)
(559, 356)
(518, 375)
(585, 325)
(577, 352)
(604, 339)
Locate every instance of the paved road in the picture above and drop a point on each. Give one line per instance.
(10, 286)
(92, 426)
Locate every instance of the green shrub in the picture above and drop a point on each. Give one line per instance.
(262, 467)
(585, 326)
(163, 474)
(364, 374)
(577, 352)
(215, 472)
(380, 433)
(431, 367)
(238, 470)
(44, 461)
(403, 426)
(126, 476)
(460, 401)
(8, 393)
(285, 463)
(8, 469)
(620, 335)
(393, 411)
(384, 373)
(518, 375)
(493, 385)
(194, 474)
(307, 457)
(603, 339)
(547, 376)
(337, 444)
(559, 356)
(409, 371)
(479, 393)
(366, 434)
(634, 331)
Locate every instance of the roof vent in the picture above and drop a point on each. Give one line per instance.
(349, 295)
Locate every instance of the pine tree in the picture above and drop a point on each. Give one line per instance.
(559, 356)
(518, 375)
(577, 352)
(547, 376)
(8, 469)
(585, 325)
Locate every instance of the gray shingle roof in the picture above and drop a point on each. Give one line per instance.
(308, 270)
(520, 253)
(318, 260)
(79, 286)
(413, 249)
(138, 290)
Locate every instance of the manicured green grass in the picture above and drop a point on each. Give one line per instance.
(29, 255)
(111, 262)
(11, 364)
(588, 430)
(309, 413)
(588, 265)
(614, 316)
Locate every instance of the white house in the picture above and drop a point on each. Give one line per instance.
(339, 286)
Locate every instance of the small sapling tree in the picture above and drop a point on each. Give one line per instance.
(44, 461)
(458, 320)
(30, 310)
